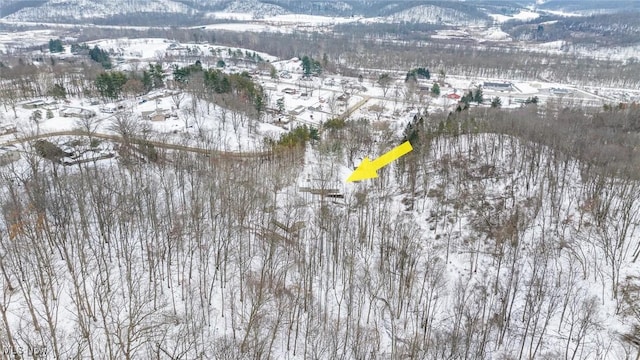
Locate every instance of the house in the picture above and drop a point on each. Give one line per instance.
(559, 91)
(34, 104)
(498, 86)
(155, 115)
(453, 96)
(297, 111)
(9, 154)
(77, 112)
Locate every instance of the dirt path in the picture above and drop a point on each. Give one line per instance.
(157, 144)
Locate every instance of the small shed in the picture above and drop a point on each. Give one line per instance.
(8, 129)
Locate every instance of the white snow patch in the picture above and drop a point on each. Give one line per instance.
(230, 16)
(523, 15)
(495, 34)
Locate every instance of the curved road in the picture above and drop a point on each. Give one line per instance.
(158, 144)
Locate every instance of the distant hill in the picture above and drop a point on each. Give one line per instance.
(193, 12)
(106, 10)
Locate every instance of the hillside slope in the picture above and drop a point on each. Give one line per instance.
(476, 245)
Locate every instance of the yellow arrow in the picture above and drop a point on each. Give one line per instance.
(368, 169)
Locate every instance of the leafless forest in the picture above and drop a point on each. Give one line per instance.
(483, 243)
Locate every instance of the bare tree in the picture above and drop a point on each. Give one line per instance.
(177, 98)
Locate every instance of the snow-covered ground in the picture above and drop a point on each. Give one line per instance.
(241, 27)
(230, 16)
(304, 19)
(483, 250)
(523, 15)
(156, 48)
(487, 246)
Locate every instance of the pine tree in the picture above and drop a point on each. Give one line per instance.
(477, 95)
(435, 89)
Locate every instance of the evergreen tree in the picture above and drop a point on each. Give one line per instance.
(412, 130)
(55, 46)
(157, 75)
(423, 72)
(496, 102)
(411, 75)
(435, 89)
(310, 66)
(306, 65)
(467, 98)
(280, 105)
(414, 73)
(100, 56)
(110, 84)
(147, 82)
(477, 95)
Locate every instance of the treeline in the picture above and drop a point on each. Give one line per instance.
(413, 74)
(604, 139)
(404, 30)
(455, 58)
